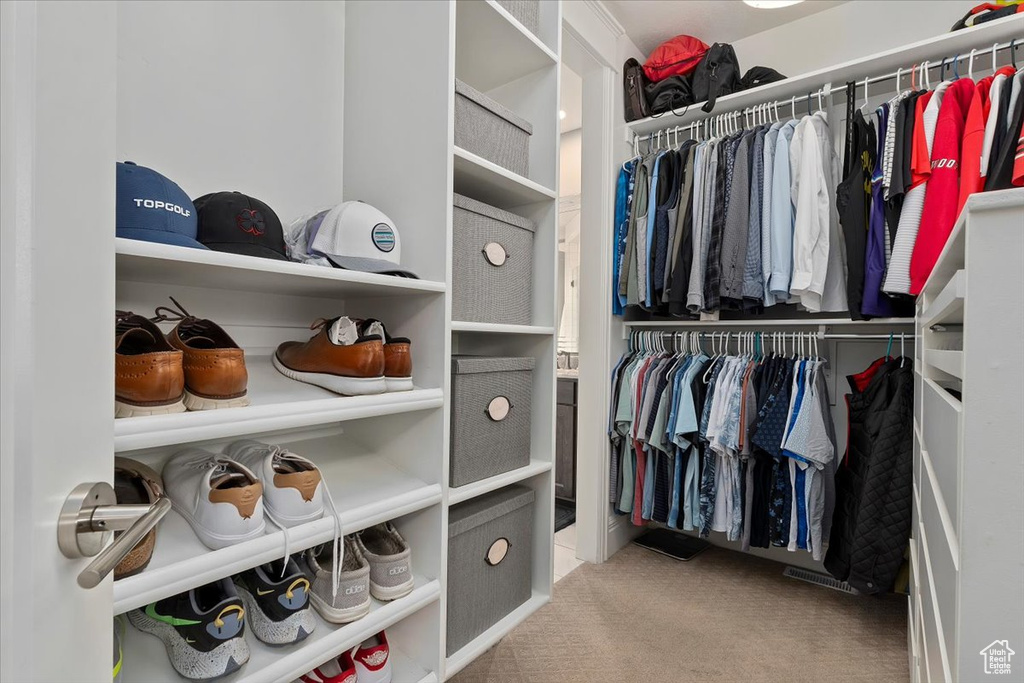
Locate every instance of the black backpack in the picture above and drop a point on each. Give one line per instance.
(634, 84)
(671, 93)
(759, 75)
(717, 74)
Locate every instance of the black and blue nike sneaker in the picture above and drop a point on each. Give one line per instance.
(203, 630)
(276, 599)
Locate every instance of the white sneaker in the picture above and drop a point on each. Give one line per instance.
(293, 489)
(373, 660)
(221, 499)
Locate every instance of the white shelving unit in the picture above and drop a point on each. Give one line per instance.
(383, 457)
(966, 588)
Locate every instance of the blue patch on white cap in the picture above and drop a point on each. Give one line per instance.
(383, 236)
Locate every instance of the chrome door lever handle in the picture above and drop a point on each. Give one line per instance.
(90, 515)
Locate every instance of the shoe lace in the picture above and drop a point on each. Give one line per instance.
(179, 314)
(338, 547)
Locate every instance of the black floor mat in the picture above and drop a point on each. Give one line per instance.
(565, 515)
(673, 544)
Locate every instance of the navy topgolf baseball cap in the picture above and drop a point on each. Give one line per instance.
(153, 209)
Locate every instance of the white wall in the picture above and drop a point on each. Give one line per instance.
(851, 30)
(242, 96)
(570, 163)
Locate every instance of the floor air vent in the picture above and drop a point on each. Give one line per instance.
(819, 579)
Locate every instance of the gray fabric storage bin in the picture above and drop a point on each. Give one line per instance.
(481, 593)
(489, 130)
(492, 264)
(484, 441)
(527, 12)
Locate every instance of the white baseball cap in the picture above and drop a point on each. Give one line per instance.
(357, 236)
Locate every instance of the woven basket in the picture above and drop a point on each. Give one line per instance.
(489, 130)
(484, 288)
(483, 446)
(484, 585)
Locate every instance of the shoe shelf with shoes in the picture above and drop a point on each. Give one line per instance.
(146, 658)
(287, 617)
(366, 478)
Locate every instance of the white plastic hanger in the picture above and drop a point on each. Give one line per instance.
(970, 64)
(995, 48)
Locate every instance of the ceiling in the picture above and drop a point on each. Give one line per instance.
(649, 23)
(571, 100)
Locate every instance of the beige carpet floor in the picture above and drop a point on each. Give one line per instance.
(724, 616)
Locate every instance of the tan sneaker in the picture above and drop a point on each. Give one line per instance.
(336, 358)
(148, 376)
(215, 374)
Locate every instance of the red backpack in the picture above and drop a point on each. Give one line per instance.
(676, 57)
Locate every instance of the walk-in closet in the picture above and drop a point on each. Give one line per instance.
(499, 341)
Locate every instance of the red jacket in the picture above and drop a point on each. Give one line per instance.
(971, 180)
(943, 192)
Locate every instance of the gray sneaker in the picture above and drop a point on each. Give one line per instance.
(353, 598)
(390, 561)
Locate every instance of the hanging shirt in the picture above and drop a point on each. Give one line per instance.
(940, 203)
(853, 200)
(620, 231)
(1001, 177)
(995, 90)
(753, 284)
(874, 303)
(770, 139)
(782, 215)
(897, 276)
(810, 191)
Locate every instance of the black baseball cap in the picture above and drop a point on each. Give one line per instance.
(239, 224)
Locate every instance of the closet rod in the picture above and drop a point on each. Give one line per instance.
(848, 336)
(826, 91)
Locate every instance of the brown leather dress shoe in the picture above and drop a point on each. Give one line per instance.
(397, 356)
(336, 358)
(148, 376)
(215, 374)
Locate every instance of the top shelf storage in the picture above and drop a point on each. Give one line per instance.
(935, 49)
(493, 47)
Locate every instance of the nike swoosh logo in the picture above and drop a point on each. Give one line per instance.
(173, 621)
(258, 591)
(189, 641)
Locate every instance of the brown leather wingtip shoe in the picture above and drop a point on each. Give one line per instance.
(148, 375)
(335, 358)
(215, 374)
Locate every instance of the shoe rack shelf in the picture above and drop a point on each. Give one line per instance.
(384, 457)
(276, 403)
(367, 489)
(269, 664)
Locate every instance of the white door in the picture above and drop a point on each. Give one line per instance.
(57, 110)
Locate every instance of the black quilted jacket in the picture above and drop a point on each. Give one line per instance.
(874, 483)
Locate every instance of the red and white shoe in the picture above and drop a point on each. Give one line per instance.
(339, 670)
(373, 661)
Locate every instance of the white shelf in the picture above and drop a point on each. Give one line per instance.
(498, 328)
(770, 322)
(493, 48)
(145, 659)
(483, 642)
(367, 490)
(277, 403)
(139, 261)
(948, 306)
(933, 49)
(487, 182)
(950, 362)
(478, 488)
